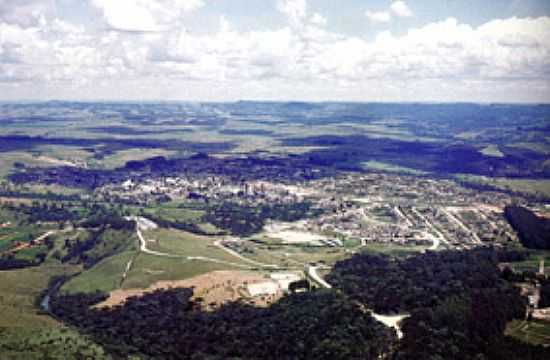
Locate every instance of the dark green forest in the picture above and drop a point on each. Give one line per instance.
(533, 231)
(459, 304)
(168, 325)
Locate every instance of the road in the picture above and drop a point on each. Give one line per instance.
(217, 261)
(392, 321)
(219, 244)
(440, 237)
(399, 213)
(34, 242)
(311, 271)
(143, 247)
(461, 225)
(145, 224)
(436, 243)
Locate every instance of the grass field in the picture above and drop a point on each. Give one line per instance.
(380, 166)
(14, 234)
(528, 186)
(534, 146)
(120, 158)
(182, 243)
(533, 261)
(56, 155)
(148, 269)
(393, 249)
(534, 332)
(104, 276)
(175, 211)
(7, 160)
(47, 188)
(18, 291)
(113, 242)
(52, 343)
(295, 256)
(28, 334)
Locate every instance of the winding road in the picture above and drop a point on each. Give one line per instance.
(392, 321)
(145, 224)
(311, 272)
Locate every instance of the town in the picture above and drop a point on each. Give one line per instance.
(354, 208)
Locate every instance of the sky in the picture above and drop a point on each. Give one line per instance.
(308, 50)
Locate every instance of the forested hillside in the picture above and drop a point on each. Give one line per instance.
(458, 301)
(168, 325)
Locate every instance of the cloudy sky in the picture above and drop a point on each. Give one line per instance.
(224, 50)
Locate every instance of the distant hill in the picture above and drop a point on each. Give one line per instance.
(534, 231)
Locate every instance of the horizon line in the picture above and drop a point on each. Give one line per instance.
(282, 101)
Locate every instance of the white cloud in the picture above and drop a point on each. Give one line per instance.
(145, 15)
(25, 13)
(300, 59)
(295, 10)
(397, 8)
(378, 16)
(318, 19)
(401, 9)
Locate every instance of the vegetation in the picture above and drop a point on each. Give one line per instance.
(545, 294)
(18, 292)
(391, 285)
(535, 188)
(247, 220)
(52, 343)
(459, 303)
(534, 332)
(106, 275)
(469, 327)
(99, 245)
(533, 231)
(28, 334)
(167, 324)
(148, 269)
(384, 167)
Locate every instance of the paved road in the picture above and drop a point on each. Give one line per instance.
(453, 218)
(399, 213)
(434, 229)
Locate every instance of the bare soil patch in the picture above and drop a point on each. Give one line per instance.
(214, 288)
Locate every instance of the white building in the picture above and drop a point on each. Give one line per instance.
(284, 279)
(263, 288)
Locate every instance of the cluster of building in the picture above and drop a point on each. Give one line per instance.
(406, 210)
(368, 208)
(209, 188)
